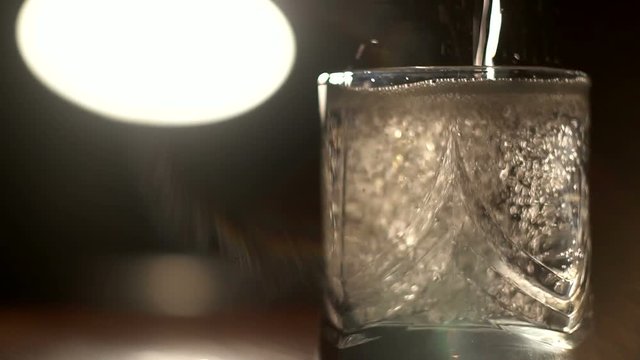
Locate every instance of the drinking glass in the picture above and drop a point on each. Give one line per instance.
(455, 212)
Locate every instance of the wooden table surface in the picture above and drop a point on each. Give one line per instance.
(287, 333)
(72, 334)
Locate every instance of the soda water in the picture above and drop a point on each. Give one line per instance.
(457, 204)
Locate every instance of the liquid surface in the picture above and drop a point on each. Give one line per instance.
(457, 203)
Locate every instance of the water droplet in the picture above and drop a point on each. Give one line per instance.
(504, 174)
(507, 111)
(560, 287)
(430, 146)
(531, 267)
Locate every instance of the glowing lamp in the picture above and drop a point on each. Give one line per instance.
(160, 62)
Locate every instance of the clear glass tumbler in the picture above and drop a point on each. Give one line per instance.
(455, 212)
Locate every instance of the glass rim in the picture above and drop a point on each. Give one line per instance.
(346, 78)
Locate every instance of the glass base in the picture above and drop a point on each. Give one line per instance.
(435, 343)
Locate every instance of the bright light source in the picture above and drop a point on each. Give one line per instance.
(161, 62)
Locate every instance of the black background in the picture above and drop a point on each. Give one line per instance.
(74, 185)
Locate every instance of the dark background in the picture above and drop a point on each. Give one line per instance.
(79, 191)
